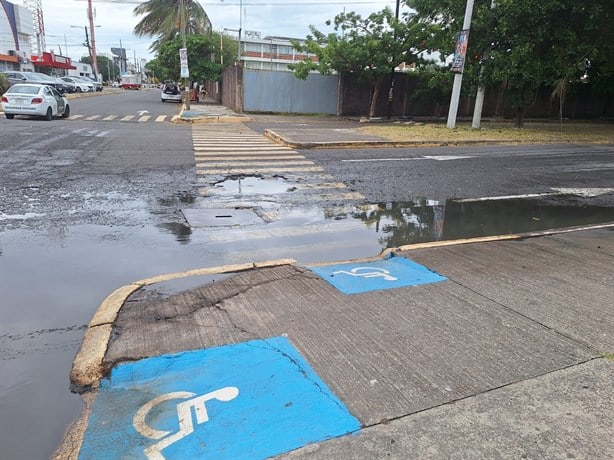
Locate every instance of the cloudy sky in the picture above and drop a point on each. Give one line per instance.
(65, 20)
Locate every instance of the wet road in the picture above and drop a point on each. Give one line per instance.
(90, 205)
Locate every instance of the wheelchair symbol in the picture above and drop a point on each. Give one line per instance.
(368, 272)
(184, 415)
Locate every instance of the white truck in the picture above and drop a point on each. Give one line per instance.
(130, 81)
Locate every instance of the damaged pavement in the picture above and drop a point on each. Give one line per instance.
(493, 361)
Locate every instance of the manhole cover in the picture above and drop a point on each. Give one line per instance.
(220, 217)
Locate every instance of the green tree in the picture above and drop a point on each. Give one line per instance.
(106, 67)
(202, 50)
(4, 83)
(157, 70)
(368, 47)
(526, 45)
(164, 20)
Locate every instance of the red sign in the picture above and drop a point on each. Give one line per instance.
(51, 60)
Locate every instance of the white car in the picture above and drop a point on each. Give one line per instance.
(34, 100)
(82, 86)
(171, 92)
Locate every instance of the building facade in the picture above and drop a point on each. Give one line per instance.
(16, 31)
(16, 34)
(269, 53)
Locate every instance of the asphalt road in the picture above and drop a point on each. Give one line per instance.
(90, 204)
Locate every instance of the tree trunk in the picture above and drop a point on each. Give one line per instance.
(520, 117)
(374, 97)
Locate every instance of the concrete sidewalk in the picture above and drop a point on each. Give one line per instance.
(510, 357)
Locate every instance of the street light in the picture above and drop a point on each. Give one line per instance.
(89, 49)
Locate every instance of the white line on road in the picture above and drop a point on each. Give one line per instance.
(506, 197)
(252, 163)
(218, 157)
(257, 170)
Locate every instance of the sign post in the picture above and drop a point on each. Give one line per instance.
(185, 74)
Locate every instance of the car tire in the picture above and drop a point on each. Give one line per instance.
(49, 114)
(66, 113)
(10, 116)
(79, 90)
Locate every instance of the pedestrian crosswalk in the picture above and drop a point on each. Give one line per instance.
(124, 118)
(235, 163)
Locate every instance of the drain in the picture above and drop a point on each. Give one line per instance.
(220, 217)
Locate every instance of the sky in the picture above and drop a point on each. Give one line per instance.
(65, 20)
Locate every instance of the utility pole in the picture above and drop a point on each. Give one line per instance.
(458, 78)
(186, 99)
(90, 16)
(476, 122)
(391, 90)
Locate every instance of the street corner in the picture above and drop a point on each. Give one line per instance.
(374, 275)
(254, 399)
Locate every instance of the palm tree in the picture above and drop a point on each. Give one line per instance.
(163, 19)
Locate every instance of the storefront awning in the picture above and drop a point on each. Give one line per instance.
(53, 61)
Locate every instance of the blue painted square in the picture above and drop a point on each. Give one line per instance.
(393, 272)
(250, 400)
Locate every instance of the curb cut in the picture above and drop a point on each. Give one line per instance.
(87, 368)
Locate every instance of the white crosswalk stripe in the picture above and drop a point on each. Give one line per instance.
(123, 118)
(235, 151)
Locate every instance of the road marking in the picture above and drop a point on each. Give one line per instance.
(93, 117)
(110, 117)
(427, 157)
(260, 397)
(75, 117)
(252, 163)
(389, 273)
(257, 170)
(232, 147)
(144, 118)
(127, 118)
(218, 157)
(161, 118)
(505, 197)
(584, 192)
(448, 157)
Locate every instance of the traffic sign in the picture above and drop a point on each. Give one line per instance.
(393, 272)
(249, 400)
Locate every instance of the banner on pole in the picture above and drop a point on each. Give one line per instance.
(460, 51)
(183, 63)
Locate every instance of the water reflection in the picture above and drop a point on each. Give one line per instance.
(426, 220)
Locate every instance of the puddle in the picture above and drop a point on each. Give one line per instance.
(420, 221)
(254, 185)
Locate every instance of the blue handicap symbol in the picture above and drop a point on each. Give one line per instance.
(392, 272)
(249, 400)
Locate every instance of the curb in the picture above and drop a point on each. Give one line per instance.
(278, 138)
(88, 368)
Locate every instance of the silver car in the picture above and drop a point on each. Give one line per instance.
(34, 100)
(80, 86)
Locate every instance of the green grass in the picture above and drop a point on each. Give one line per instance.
(533, 132)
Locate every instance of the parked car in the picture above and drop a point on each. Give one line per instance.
(35, 100)
(80, 86)
(70, 87)
(27, 77)
(56, 82)
(171, 92)
(97, 85)
(88, 81)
